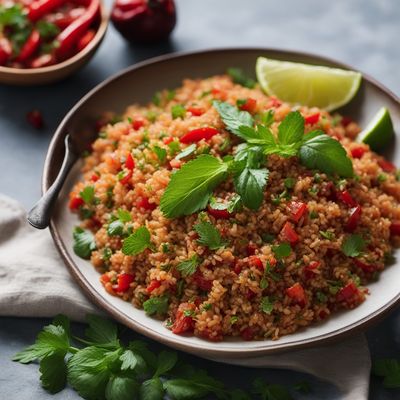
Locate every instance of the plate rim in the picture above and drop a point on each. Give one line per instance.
(102, 303)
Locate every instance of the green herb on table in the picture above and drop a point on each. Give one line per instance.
(303, 387)
(237, 75)
(84, 243)
(189, 266)
(389, 369)
(268, 391)
(353, 245)
(137, 242)
(209, 235)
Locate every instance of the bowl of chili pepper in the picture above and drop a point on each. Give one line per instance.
(43, 41)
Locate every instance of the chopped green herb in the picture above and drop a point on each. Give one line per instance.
(84, 243)
(266, 305)
(156, 305)
(115, 228)
(47, 29)
(170, 95)
(178, 111)
(205, 93)
(382, 178)
(107, 253)
(160, 153)
(87, 194)
(209, 235)
(207, 306)
(389, 369)
(151, 116)
(237, 75)
(85, 213)
(189, 313)
(240, 102)
(124, 215)
(234, 319)
(180, 288)
(321, 297)
(165, 248)
(289, 183)
(327, 235)
(174, 148)
(281, 251)
(267, 237)
(157, 99)
(313, 214)
(137, 242)
(189, 266)
(353, 245)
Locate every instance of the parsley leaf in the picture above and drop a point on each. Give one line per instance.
(152, 389)
(87, 194)
(239, 77)
(389, 369)
(189, 266)
(137, 242)
(353, 245)
(47, 29)
(178, 111)
(270, 391)
(209, 235)
(266, 305)
(190, 188)
(53, 372)
(250, 186)
(282, 250)
(320, 151)
(84, 243)
(160, 153)
(156, 305)
(291, 129)
(101, 330)
(124, 215)
(165, 362)
(121, 388)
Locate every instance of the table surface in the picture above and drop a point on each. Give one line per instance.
(361, 33)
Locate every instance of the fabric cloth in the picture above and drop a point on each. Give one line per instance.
(34, 282)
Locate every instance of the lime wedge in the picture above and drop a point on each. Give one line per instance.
(379, 132)
(307, 85)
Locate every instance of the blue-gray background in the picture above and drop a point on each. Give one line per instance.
(362, 33)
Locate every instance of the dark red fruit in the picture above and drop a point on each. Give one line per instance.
(35, 118)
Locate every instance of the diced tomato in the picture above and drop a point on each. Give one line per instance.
(297, 210)
(312, 119)
(104, 279)
(219, 214)
(125, 180)
(395, 228)
(346, 121)
(297, 294)
(183, 323)
(365, 267)
(144, 203)
(354, 218)
(309, 270)
(168, 140)
(358, 152)
(290, 234)
(94, 178)
(247, 334)
(255, 261)
(250, 294)
(124, 282)
(201, 282)
(75, 202)
(219, 94)
(237, 268)
(322, 314)
(348, 292)
(210, 334)
(175, 163)
(345, 197)
(138, 123)
(154, 284)
(251, 249)
(387, 166)
(250, 105)
(130, 162)
(196, 111)
(195, 135)
(274, 102)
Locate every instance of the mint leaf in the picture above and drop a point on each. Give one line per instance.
(237, 75)
(189, 266)
(260, 135)
(282, 250)
(152, 389)
(165, 362)
(190, 188)
(187, 152)
(389, 369)
(53, 372)
(87, 194)
(156, 305)
(291, 129)
(233, 204)
(266, 305)
(137, 242)
(320, 151)
(84, 243)
(124, 215)
(122, 388)
(209, 235)
(250, 186)
(160, 153)
(353, 245)
(116, 228)
(233, 118)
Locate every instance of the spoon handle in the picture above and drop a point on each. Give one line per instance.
(40, 215)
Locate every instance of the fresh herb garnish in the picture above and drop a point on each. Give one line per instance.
(124, 215)
(178, 111)
(156, 305)
(327, 235)
(160, 153)
(189, 266)
(84, 243)
(115, 228)
(270, 391)
(174, 147)
(266, 305)
(353, 245)
(137, 242)
(389, 369)
(187, 152)
(282, 250)
(47, 29)
(239, 77)
(233, 204)
(209, 235)
(87, 194)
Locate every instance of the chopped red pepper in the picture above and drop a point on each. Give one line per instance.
(75, 203)
(290, 234)
(274, 102)
(250, 294)
(5, 50)
(43, 60)
(346, 121)
(39, 8)
(104, 279)
(94, 178)
(168, 140)
(247, 334)
(183, 323)
(125, 180)
(312, 119)
(201, 282)
(354, 218)
(138, 123)
(297, 210)
(309, 270)
(196, 111)
(348, 292)
(250, 105)
(154, 284)
(365, 267)
(256, 262)
(35, 118)
(195, 135)
(124, 282)
(346, 198)
(219, 93)
(297, 294)
(251, 249)
(387, 166)
(395, 228)
(358, 152)
(144, 203)
(175, 163)
(30, 46)
(219, 214)
(85, 39)
(130, 162)
(237, 268)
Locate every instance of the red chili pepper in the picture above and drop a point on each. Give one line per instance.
(251, 249)
(219, 214)
(168, 140)
(196, 111)
(296, 293)
(144, 203)
(39, 8)
(183, 323)
(290, 234)
(256, 262)
(64, 19)
(297, 210)
(247, 334)
(94, 178)
(395, 228)
(250, 105)
(154, 284)
(347, 293)
(85, 39)
(312, 119)
(70, 35)
(195, 135)
(387, 166)
(42, 61)
(30, 46)
(365, 267)
(35, 118)
(124, 282)
(309, 270)
(201, 282)
(138, 123)
(354, 218)
(358, 152)
(345, 197)
(75, 203)
(130, 162)
(5, 50)
(125, 180)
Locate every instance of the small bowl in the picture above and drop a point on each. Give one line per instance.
(56, 72)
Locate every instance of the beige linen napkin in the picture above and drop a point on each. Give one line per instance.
(35, 283)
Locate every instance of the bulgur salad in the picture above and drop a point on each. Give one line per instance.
(227, 212)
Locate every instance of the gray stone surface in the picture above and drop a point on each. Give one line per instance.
(363, 33)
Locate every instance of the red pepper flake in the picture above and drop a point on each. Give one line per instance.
(219, 214)
(255, 261)
(348, 292)
(125, 180)
(130, 162)
(138, 123)
(75, 202)
(250, 105)
(168, 140)
(387, 166)
(290, 234)
(354, 218)
(312, 119)
(297, 294)
(395, 228)
(309, 270)
(251, 249)
(124, 282)
(195, 135)
(346, 198)
(250, 294)
(358, 152)
(94, 178)
(196, 111)
(201, 282)
(144, 203)
(247, 334)
(154, 284)
(35, 118)
(297, 210)
(365, 267)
